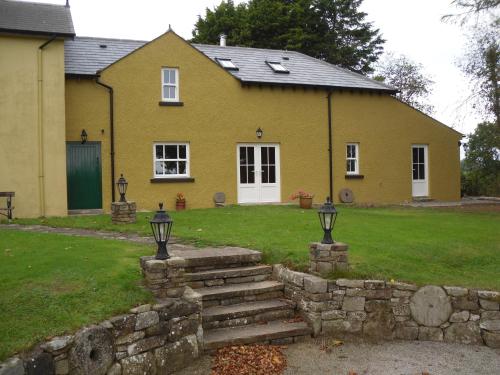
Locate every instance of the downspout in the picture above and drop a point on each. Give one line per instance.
(330, 157)
(41, 151)
(111, 134)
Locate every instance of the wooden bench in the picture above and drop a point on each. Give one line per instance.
(9, 195)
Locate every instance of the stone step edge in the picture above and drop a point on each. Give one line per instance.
(255, 333)
(225, 273)
(241, 310)
(239, 290)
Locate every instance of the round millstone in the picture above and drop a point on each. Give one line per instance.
(92, 352)
(430, 306)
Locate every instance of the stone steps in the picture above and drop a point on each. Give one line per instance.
(198, 260)
(234, 275)
(231, 294)
(247, 313)
(275, 332)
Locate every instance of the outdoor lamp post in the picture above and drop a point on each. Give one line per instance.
(161, 225)
(327, 216)
(122, 187)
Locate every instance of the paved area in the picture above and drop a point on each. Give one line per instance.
(390, 358)
(477, 201)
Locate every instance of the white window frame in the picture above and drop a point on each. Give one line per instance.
(277, 67)
(227, 63)
(187, 159)
(356, 158)
(176, 85)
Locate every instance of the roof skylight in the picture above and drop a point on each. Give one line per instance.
(227, 64)
(277, 67)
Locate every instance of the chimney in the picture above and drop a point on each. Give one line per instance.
(67, 3)
(222, 40)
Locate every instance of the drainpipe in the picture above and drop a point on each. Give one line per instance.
(111, 135)
(41, 153)
(330, 157)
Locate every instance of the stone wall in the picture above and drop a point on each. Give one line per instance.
(165, 278)
(156, 338)
(123, 212)
(393, 310)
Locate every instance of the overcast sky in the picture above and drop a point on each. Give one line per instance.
(410, 27)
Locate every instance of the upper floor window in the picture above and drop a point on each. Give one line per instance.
(171, 160)
(170, 84)
(352, 158)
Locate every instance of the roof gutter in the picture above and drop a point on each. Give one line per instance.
(111, 134)
(330, 155)
(40, 131)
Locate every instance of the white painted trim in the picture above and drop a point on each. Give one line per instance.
(356, 159)
(187, 160)
(425, 181)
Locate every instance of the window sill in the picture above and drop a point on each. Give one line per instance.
(171, 180)
(171, 104)
(354, 176)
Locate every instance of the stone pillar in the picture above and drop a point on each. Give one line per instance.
(165, 278)
(324, 258)
(123, 212)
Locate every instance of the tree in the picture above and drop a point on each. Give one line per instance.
(481, 167)
(332, 30)
(470, 8)
(407, 76)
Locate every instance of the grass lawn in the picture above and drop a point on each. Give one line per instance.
(51, 284)
(440, 246)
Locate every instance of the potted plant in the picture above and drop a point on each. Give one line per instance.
(180, 202)
(305, 199)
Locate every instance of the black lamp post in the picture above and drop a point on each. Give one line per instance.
(83, 136)
(327, 216)
(259, 133)
(161, 225)
(122, 187)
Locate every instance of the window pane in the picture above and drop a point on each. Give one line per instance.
(415, 155)
(159, 151)
(263, 155)
(166, 76)
(159, 167)
(171, 152)
(421, 157)
(272, 175)
(265, 174)
(348, 166)
(272, 159)
(250, 155)
(243, 155)
(251, 175)
(172, 76)
(182, 167)
(353, 151)
(171, 92)
(243, 175)
(170, 167)
(182, 152)
(421, 171)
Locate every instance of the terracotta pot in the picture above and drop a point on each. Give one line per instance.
(305, 203)
(179, 206)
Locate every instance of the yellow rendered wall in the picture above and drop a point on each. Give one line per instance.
(19, 169)
(219, 113)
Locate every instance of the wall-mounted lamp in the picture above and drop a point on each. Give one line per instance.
(259, 132)
(83, 136)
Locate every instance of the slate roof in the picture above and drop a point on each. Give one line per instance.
(84, 56)
(35, 18)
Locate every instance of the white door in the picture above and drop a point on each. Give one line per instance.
(420, 171)
(258, 173)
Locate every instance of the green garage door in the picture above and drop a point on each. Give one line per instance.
(83, 165)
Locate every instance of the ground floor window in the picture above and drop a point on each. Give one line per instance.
(352, 158)
(171, 160)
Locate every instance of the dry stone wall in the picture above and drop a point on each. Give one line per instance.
(393, 310)
(153, 339)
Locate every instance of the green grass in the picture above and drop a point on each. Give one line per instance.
(418, 245)
(51, 284)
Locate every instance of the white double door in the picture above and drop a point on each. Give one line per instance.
(420, 171)
(258, 173)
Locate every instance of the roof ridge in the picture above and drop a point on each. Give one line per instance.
(242, 47)
(35, 3)
(106, 38)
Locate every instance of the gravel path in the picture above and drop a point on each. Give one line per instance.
(390, 358)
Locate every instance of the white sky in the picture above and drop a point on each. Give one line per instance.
(410, 27)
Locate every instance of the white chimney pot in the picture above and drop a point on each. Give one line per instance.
(222, 40)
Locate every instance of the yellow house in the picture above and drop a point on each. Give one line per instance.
(254, 124)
